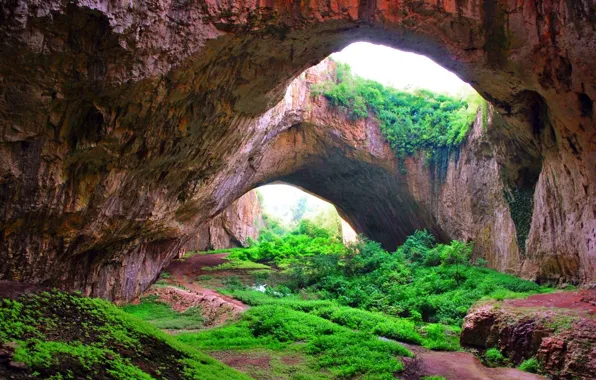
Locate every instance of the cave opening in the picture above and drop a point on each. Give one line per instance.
(126, 126)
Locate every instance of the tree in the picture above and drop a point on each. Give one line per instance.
(299, 210)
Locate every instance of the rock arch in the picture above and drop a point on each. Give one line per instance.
(126, 124)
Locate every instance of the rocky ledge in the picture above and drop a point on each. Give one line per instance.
(558, 329)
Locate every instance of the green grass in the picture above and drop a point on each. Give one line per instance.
(235, 264)
(60, 335)
(162, 316)
(284, 364)
(432, 336)
(340, 350)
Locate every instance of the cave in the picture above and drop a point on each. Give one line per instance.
(127, 127)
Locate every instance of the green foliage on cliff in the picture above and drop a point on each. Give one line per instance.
(59, 335)
(410, 120)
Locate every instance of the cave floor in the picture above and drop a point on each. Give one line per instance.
(197, 274)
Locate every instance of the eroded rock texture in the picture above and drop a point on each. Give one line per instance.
(558, 329)
(239, 222)
(126, 125)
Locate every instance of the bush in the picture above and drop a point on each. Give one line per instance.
(531, 365)
(306, 240)
(422, 280)
(494, 357)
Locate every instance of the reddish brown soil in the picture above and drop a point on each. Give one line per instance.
(583, 301)
(242, 360)
(458, 366)
(186, 270)
(292, 360)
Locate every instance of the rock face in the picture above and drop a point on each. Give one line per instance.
(558, 329)
(126, 125)
(239, 222)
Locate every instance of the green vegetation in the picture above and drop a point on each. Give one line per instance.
(59, 335)
(307, 239)
(162, 316)
(341, 351)
(531, 365)
(410, 120)
(285, 364)
(238, 264)
(422, 280)
(494, 357)
(432, 336)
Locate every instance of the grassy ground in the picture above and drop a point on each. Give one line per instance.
(283, 364)
(341, 351)
(65, 336)
(162, 316)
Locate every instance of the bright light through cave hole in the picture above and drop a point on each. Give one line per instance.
(400, 69)
(282, 202)
(392, 67)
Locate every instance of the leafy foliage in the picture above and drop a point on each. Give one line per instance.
(411, 121)
(494, 357)
(307, 239)
(531, 365)
(422, 280)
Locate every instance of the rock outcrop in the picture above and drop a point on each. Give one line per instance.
(126, 125)
(239, 222)
(558, 329)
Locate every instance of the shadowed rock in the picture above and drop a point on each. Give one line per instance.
(125, 126)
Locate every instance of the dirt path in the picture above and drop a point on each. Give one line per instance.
(583, 301)
(185, 271)
(458, 366)
(451, 365)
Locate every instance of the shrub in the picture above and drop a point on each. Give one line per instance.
(494, 357)
(530, 365)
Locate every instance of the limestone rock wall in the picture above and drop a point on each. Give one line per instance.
(239, 222)
(126, 125)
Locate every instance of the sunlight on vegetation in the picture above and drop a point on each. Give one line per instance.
(410, 120)
(279, 246)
